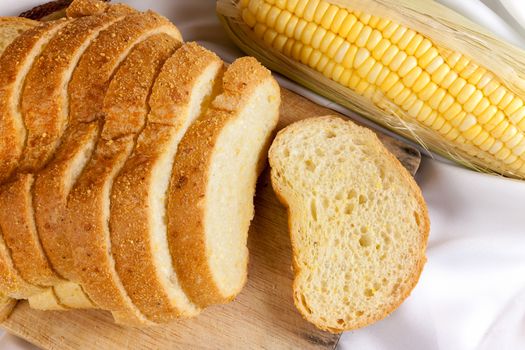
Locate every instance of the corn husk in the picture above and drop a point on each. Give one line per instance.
(443, 26)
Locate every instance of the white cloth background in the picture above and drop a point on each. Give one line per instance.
(471, 295)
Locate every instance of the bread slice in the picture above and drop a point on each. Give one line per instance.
(358, 222)
(87, 90)
(45, 111)
(139, 246)
(210, 201)
(15, 63)
(7, 305)
(11, 28)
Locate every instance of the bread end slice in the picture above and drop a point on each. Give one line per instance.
(210, 203)
(358, 222)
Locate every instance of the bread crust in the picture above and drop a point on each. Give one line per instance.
(14, 65)
(130, 240)
(92, 263)
(424, 225)
(186, 230)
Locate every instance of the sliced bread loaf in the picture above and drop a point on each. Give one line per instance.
(45, 112)
(139, 246)
(210, 201)
(11, 28)
(358, 222)
(87, 90)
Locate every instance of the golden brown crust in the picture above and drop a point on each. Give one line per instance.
(189, 179)
(11, 283)
(424, 224)
(49, 199)
(88, 85)
(81, 8)
(44, 103)
(7, 305)
(42, 107)
(20, 235)
(88, 89)
(18, 55)
(92, 262)
(11, 28)
(130, 239)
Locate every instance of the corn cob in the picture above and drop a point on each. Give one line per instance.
(446, 98)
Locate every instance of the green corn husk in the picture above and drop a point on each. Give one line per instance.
(443, 27)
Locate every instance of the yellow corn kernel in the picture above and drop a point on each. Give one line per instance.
(254, 5)
(345, 77)
(374, 73)
(482, 106)
(471, 133)
(322, 8)
(308, 33)
(402, 96)
(422, 81)
(399, 60)
(395, 90)
(503, 153)
(410, 78)
(338, 20)
(389, 55)
(498, 131)
(381, 48)
(300, 7)
(514, 140)
(440, 74)
(365, 17)
(337, 72)
(490, 87)
(249, 18)
(259, 30)
(496, 146)
(465, 93)
(513, 106)
(314, 59)
(398, 35)
(322, 63)
(348, 59)
(346, 26)
(328, 69)
(506, 100)
(269, 37)
(426, 115)
(423, 47)
(390, 80)
(449, 79)
(509, 133)
(310, 10)
(301, 24)
(383, 23)
(342, 52)
(390, 29)
(334, 47)
(279, 42)
(481, 138)
(453, 111)
(362, 39)
(353, 34)
(287, 48)
(327, 41)
(296, 50)
(413, 111)
(282, 21)
(485, 79)
(428, 57)
(290, 27)
(365, 68)
(272, 16)
(518, 115)
(306, 52)
(457, 86)
(461, 63)
(291, 5)
(326, 21)
(361, 87)
(383, 74)
(437, 98)
(428, 91)
(473, 101)
(434, 65)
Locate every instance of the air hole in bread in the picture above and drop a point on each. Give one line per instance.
(365, 241)
(330, 134)
(362, 199)
(416, 216)
(369, 292)
(310, 166)
(319, 152)
(351, 194)
(349, 209)
(313, 209)
(341, 322)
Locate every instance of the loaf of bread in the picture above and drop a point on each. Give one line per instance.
(358, 222)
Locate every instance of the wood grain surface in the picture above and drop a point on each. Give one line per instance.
(262, 317)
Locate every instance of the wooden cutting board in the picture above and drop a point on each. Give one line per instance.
(262, 317)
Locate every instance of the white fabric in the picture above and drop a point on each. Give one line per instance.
(471, 295)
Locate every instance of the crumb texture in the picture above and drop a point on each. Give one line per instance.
(358, 222)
